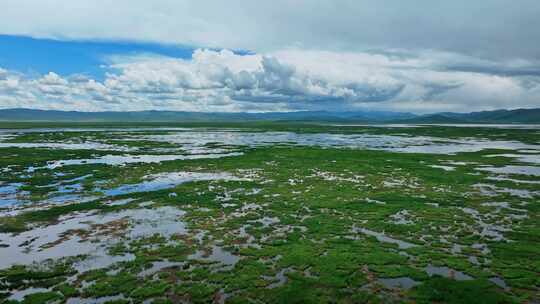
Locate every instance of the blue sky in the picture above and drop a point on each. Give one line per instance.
(302, 55)
(40, 56)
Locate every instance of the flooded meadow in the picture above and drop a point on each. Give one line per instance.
(273, 213)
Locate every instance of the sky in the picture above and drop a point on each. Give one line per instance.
(419, 56)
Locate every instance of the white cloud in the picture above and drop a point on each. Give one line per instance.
(490, 28)
(290, 79)
(424, 56)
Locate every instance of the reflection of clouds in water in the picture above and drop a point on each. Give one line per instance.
(197, 141)
(169, 180)
(116, 160)
(524, 158)
(60, 240)
(419, 144)
(520, 170)
(66, 146)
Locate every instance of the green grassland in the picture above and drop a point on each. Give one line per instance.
(292, 226)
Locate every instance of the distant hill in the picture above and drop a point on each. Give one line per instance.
(498, 116)
(178, 116)
(526, 116)
(434, 119)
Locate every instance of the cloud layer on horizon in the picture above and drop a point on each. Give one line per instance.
(286, 80)
(425, 56)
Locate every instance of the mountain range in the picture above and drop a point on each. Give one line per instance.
(498, 116)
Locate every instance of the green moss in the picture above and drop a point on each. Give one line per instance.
(41, 298)
(442, 290)
(122, 283)
(150, 289)
(67, 290)
(18, 276)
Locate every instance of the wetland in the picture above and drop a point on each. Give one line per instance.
(269, 213)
